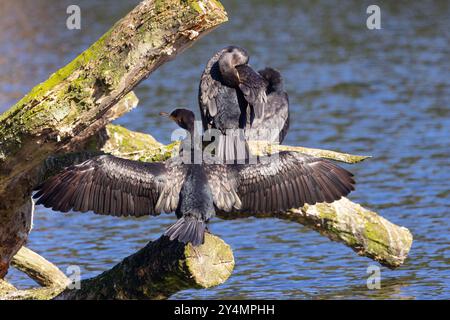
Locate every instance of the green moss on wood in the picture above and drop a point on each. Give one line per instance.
(363, 230)
(70, 99)
(160, 269)
(36, 94)
(263, 147)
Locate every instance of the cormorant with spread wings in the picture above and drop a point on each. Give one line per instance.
(109, 185)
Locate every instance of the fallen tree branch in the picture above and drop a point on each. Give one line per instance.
(157, 271)
(39, 269)
(160, 269)
(9, 292)
(344, 221)
(262, 147)
(367, 233)
(59, 114)
(46, 274)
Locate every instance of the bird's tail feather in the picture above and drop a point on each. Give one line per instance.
(187, 229)
(232, 149)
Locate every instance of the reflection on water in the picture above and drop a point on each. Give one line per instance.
(384, 93)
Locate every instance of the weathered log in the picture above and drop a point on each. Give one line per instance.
(9, 292)
(344, 221)
(157, 271)
(62, 112)
(160, 269)
(39, 269)
(46, 274)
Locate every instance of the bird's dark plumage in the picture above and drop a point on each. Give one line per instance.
(115, 186)
(275, 121)
(119, 187)
(231, 95)
(195, 207)
(234, 96)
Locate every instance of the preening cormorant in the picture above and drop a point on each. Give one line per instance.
(110, 185)
(231, 95)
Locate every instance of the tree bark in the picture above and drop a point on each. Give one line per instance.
(160, 269)
(46, 274)
(344, 221)
(157, 271)
(61, 113)
(39, 269)
(261, 147)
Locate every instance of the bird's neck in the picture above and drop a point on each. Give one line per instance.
(191, 148)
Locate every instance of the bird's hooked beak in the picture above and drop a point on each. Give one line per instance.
(168, 115)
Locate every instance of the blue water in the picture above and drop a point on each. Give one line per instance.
(384, 93)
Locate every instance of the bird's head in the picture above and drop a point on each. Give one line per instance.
(231, 57)
(236, 56)
(183, 117)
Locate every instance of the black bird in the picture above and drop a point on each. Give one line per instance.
(231, 96)
(120, 187)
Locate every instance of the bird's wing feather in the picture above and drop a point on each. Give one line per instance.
(275, 123)
(222, 182)
(114, 186)
(209, 88)
(289, 181)
(254, 87)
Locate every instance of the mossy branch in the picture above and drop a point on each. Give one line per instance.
(157, 271)
(344, 221)
(160, 269)
(262, 147)
(39, 269)
(46, 274)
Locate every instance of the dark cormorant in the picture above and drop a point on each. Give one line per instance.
(233, 96)
(120, 187)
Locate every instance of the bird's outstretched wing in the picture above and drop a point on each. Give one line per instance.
(114, 186)
(254, 87)
(289, 180)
